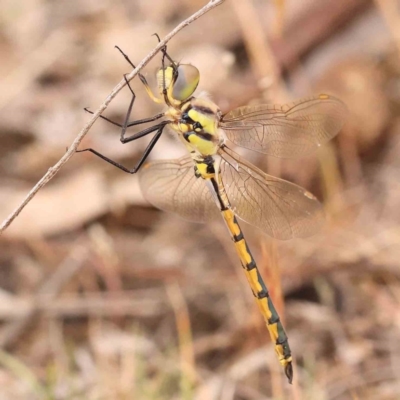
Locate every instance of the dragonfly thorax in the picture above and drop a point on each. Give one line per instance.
(197, 123)
(196, 120)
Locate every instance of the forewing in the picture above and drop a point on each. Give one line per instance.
(171, 185)
(281, 209)
(286, 131)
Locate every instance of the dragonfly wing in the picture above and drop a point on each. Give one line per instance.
(171, 185)
(286, 131)
(281, 209)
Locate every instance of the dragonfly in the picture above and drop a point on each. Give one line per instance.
(213, 179)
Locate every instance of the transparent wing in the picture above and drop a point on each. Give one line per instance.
(286, 131)
(171, 185)
(281, 209)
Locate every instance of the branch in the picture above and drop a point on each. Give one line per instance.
(53, 170)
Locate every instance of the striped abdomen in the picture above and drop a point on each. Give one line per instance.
(260, 292)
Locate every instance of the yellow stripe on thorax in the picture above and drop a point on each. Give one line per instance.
(203, 146)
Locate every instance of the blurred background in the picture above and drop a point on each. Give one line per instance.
(104, 297)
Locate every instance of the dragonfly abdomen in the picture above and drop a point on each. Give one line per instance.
(260, 292)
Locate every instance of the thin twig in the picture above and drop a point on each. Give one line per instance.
(53, 170)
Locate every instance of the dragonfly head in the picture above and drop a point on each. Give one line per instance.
(180, 81)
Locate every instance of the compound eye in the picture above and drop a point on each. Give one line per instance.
(186, 82)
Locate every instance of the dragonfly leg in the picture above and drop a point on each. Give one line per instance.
(164, 51)
(128, 114)
(145, 154)
(126, 123)
(133, 123)
(141, 77)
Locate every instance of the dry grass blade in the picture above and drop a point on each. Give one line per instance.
(261, 56)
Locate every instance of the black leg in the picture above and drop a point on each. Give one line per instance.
(126, 57)
(127, 124)
(164, 50)
(128, 113)
(133, 123)
(159, 127)
(165, 55)
(144, 132)
(141, 77)
(146, 152)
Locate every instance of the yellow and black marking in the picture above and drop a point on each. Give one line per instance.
(206, 170)
(260, 292)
